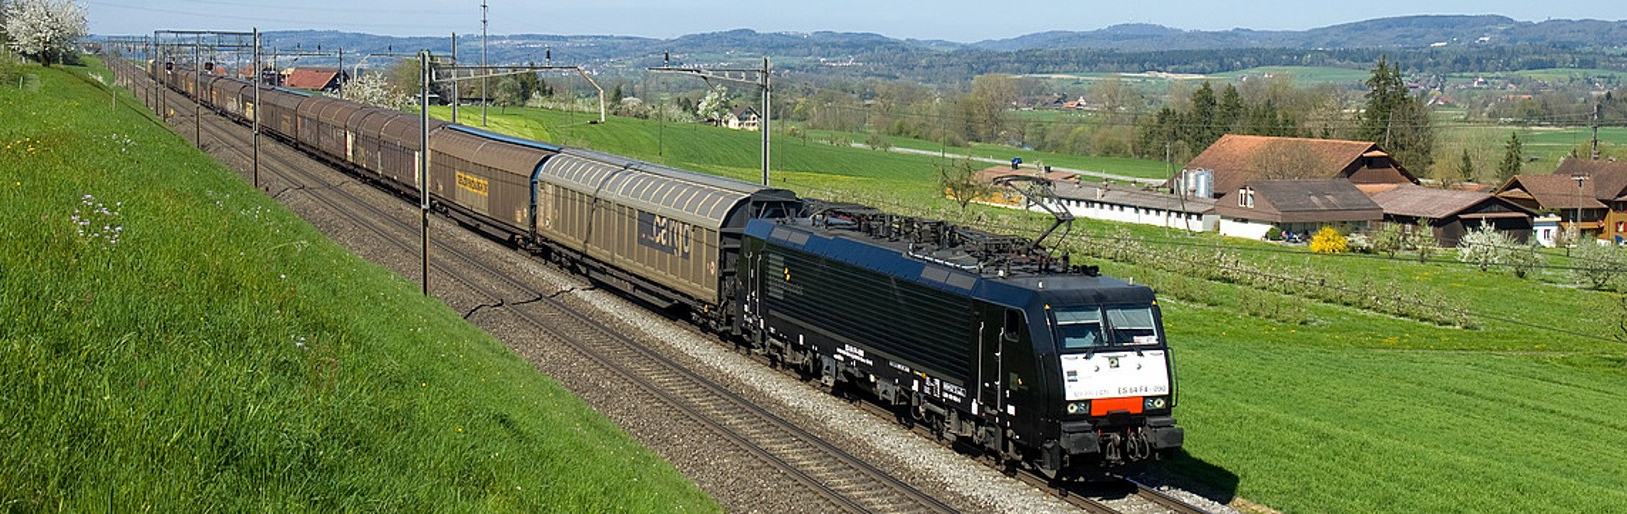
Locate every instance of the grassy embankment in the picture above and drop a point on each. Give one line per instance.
(1330, 409)
(174, 341)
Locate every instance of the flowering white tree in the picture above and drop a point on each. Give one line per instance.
(714, 104)
(44, 29)
(372, 88)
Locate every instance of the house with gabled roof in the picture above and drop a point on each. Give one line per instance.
(741, 118)
(1589, 194)
(1449, 214)
(1239, 159)
(315, 78)
(1300, 207)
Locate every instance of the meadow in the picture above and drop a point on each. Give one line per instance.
(1300, 404)
(175, 341)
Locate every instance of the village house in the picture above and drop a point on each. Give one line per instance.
(1449, 214)
(1588, 194)
(1298, 208)
(741, 118)
(316, 79)
(1238, 159)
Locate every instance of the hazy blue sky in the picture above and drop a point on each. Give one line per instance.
(954, 20)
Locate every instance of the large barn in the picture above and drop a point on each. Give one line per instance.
(1237, 159)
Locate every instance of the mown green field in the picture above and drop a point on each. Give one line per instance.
(1544, 147)
(1313, 406)
(1548, 74)
(174, 341)
(1302, 75)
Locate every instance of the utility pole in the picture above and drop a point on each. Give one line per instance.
(485, 98)
(1596, 107)
(423, 156)
(455, 91)
(760, 80)
(256, 107)
(197, 105)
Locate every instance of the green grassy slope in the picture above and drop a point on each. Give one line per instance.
(1329, 408)
(174, 341)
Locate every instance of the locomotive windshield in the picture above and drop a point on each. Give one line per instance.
(1093, 327)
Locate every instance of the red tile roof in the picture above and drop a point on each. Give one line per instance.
(1551, 192)
(311, 78)
(1609, 178)
(1425, 202)
(1237, 159)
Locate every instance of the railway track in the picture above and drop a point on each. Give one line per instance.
(838, 479)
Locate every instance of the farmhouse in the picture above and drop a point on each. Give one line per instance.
(1590, 195)
(1298, 207)
(315, 79)
(741, 118)
(1449, 214)
(1237, 159)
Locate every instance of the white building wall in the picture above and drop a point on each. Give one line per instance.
(1546, 230)
(1244, 229)
(1138, 215)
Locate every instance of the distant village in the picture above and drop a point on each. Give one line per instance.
(1357, 187)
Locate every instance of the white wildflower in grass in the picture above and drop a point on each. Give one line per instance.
(121, 143)
(95, 221)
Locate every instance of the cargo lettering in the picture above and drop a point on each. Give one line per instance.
(665, 235)
(472, 184)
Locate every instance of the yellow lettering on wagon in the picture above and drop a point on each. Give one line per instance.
(472, 184)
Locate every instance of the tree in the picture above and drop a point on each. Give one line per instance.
(714, 104)
(510, 93)
(406, 76)
(1486, 247)
(373, 89)
(1389, 240)
(1230, 114)
(1329, 240)
(1384, 91)
(1397, 120)
(985, 106)
(1597, 266)
(960, 183)
(1465, 166)
(1513, 158)
(44, 29)
(1203, 126)
(877, 141)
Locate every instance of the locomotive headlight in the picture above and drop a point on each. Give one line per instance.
(1079, 407)
(1156, 402)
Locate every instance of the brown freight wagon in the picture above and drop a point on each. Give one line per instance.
(322, 126)
(397, 139)
(650, 223)
(279, 111)
(486, 175)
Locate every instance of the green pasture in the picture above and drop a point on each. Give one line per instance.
(175, 341)
(1302, 75)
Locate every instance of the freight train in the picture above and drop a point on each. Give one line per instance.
(984, 338)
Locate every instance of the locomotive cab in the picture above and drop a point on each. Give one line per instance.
(1113, 393)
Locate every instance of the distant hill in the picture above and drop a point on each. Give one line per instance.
(1399, 32)
(1430, 44)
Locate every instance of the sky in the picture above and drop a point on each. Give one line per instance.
(952, 20)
